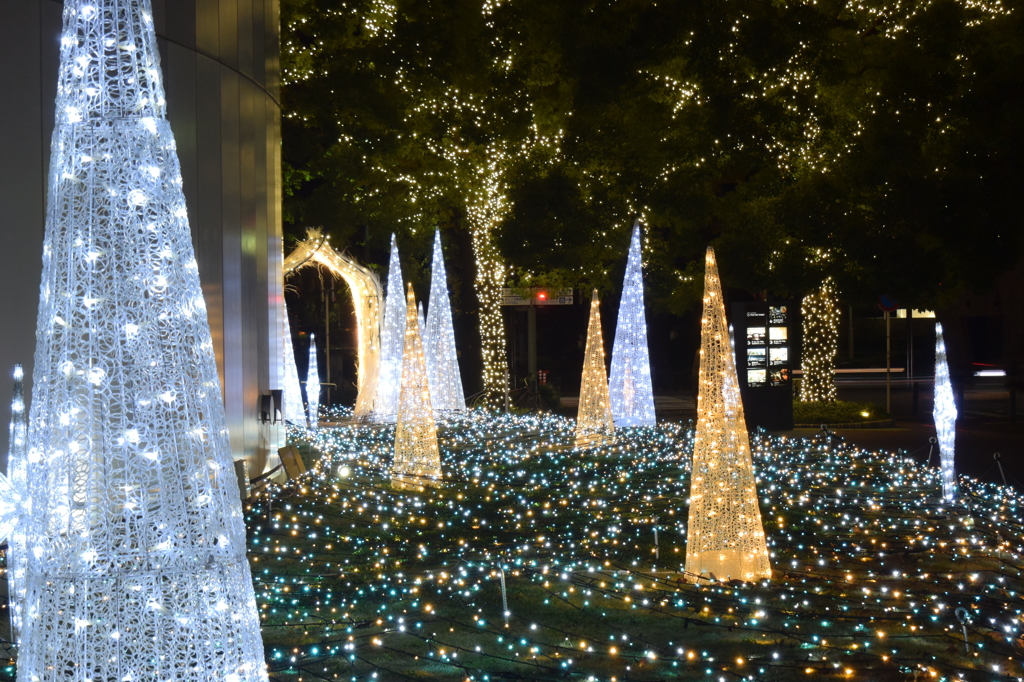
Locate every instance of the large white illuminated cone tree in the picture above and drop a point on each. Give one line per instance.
(417, 460)
(944, 413)
(17, 464)
(136, 542)
(294, 412)
(439, 342)
(725, 537)
(392, 341)
(629, 386)
(594, 424)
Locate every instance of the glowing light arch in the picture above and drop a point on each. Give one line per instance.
(367, 297)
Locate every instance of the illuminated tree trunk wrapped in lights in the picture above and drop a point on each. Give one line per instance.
(17, 464)
(821, 344)
(392, 340)
(417, 457)
(944, 412)
(439, 341)
(293, 409)
(725, 536)
(632, 398)
(486, 208)
(136, 542)
(313, 386)
(594, 424)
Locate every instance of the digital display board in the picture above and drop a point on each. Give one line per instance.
(763, 362)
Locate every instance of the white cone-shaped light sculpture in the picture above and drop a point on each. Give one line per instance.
(294, 412)
(944, 413)
(136, 542)
(392, 341)
(725, 537)
(629, 386)
(439, 342)
(313, 386)
(417, 456)
(17, 463)
(594, 424)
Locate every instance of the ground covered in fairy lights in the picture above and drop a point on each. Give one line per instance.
(874, 577)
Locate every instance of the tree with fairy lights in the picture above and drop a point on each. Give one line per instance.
(392, 340)
(820, 315)
(135, 540)
(492, 116)
(417, 457)
(944, 412)
(632, 398)
(594, 424)
(725, 537)
(439, 341)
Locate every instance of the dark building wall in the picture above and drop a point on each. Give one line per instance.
(220, 61)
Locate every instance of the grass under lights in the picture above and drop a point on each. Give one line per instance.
(355, 581)
(837, 412)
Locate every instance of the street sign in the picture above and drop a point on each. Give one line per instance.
(536, 296)
(887, 303)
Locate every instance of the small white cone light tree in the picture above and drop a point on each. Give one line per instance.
(294, 412)
(136, 542)
(632, 397)
(313, 386)
(725, 537)
(392, 341)
(821, 344)
(594, 425)
(944, 413)
(439, 341)
(417, 456)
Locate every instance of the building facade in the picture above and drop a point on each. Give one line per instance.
(221, 71)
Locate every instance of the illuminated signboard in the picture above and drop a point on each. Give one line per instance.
(764, 362)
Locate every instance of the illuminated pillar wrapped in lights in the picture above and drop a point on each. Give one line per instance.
(17, 560)
(594, 424)
(439, 341)
(136, 542)
(944, 413)
(392, 340)
(725, 537)
(417, 457)
(632, 397)
(821, 344)
(313, 386)
(293, 409)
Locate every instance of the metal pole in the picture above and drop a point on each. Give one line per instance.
(504, 595)
(531, 345)
(997, 457)
(888, 365)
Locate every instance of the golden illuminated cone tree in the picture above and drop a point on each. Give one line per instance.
(594, 419)
(417, 457)
(725, 536)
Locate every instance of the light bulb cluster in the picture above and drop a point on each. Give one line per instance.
(820, 344)
(355, 578)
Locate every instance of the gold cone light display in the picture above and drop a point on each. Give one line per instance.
(725, 536)
(594, 420)
(417, 457)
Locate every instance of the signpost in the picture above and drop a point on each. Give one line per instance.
(888, 306)
(764, 362)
